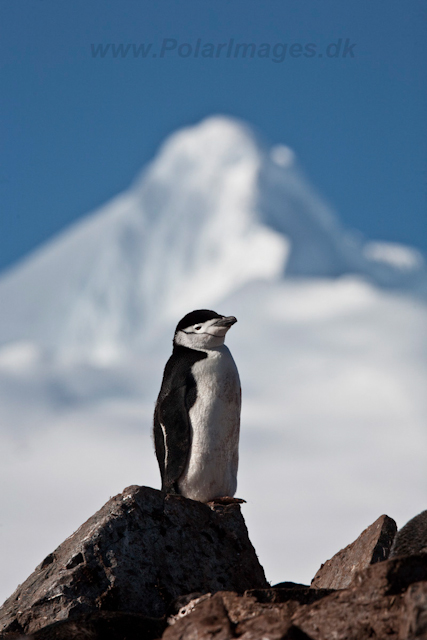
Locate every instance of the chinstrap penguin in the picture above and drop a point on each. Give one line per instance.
(197, 414)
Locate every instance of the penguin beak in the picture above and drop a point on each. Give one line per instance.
(225, 322)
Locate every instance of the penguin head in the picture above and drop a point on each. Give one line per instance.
(202, 329)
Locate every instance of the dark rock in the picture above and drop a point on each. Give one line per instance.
(182, 601)
(227, 615)
(275, 595)
(412, 538)
(289, 585)
(386, 600)
(373, 545)
(258, 613)
(102, 625)
(207, 620)
(141, 551)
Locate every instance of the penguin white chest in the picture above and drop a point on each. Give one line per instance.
(211, 469)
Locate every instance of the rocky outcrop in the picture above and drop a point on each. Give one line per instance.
(136, 555)
(412, 538)
(254, 615)
(101, 625)
(150, 566)
(373, 545)
(388, 600)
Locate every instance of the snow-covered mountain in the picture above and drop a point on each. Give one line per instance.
(215, 210)
(330, 348)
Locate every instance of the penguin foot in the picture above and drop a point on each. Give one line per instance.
(226, 500)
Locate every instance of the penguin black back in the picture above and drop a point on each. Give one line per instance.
(177, 395)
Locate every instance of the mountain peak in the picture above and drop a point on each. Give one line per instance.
(215, 209)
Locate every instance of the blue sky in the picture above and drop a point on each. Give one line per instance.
(76, 129)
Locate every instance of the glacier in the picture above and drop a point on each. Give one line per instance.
(330, 345)
(216, 209)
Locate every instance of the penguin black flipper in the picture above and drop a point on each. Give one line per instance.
(172, 437)
(172, 431)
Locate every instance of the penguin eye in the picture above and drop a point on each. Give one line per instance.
(197, 327)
